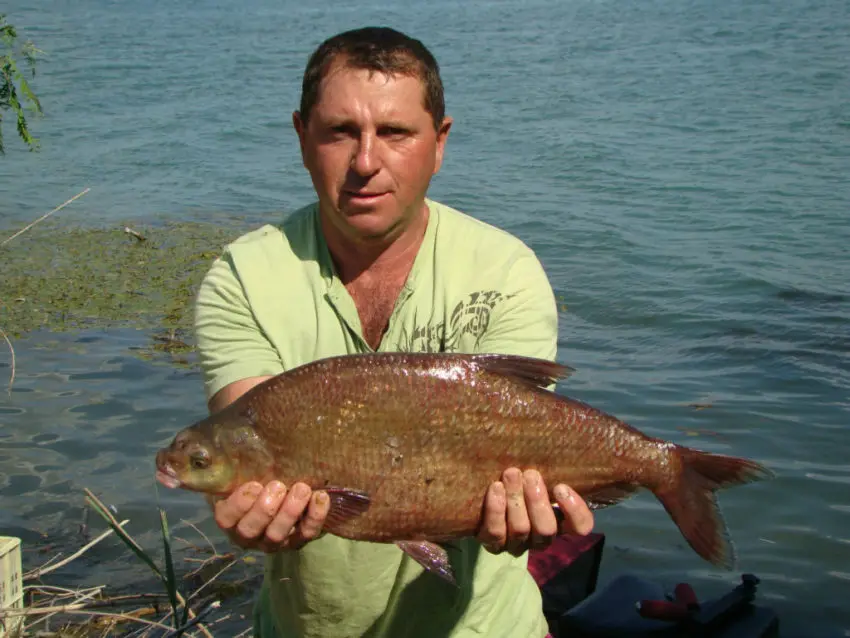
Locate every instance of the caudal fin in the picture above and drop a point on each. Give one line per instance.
(692, 503)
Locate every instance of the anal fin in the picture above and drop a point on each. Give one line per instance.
(431, 556)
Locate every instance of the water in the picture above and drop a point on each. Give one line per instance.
(680, 167)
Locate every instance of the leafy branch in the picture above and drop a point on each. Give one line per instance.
(15, 91)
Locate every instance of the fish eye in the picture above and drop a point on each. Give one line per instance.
(199, 460)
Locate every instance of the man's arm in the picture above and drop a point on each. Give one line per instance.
(518, 513)
(236, 356)
(232, 391)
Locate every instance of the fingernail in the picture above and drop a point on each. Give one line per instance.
(252, 490)
(276, 488)
(301, 490)
(513, 482)
(532, 478)
(563, 493)
(321, 498)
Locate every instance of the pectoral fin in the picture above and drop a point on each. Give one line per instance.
(610, 495)
(345, 504)
(431, 556)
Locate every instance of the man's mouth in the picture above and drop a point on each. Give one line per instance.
(364, 196)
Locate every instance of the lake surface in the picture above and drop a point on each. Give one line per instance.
(681, 168)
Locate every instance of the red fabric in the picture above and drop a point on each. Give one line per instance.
(545, 563)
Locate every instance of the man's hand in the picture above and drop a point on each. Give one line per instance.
(519, 516)
(269, 518)
(272, 518)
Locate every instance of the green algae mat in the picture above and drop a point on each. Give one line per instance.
(57, 278)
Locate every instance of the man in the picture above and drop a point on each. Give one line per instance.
(375, 265)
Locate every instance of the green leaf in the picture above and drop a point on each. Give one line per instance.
(11, 77)
(171, 579)
(30, 96)
(7, 32)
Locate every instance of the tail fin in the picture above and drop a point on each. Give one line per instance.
(692, 503)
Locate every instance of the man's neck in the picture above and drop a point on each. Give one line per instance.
(392, 256)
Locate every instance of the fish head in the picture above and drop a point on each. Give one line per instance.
(213, 457)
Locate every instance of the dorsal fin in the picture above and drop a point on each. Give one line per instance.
(539, 373)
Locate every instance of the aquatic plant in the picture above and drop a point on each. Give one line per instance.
(64, 277)
(15, 91)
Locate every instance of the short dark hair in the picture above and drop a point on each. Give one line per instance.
(379, 49)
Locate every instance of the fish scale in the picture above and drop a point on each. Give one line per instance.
(407, 444)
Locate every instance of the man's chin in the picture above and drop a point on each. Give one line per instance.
(374, 235)
(371, 226)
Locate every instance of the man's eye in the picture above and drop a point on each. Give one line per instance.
(393, 131)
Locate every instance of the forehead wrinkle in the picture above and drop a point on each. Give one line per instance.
(370, 105)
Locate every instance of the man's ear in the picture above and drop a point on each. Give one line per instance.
(300, 129)
(442, 135)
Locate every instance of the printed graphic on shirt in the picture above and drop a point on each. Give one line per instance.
(469, 317)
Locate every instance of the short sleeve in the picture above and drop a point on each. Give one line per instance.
(230, 341)
(526, 323)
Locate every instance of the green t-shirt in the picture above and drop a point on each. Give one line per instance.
(273, 302)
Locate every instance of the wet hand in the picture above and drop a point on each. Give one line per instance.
(272, 518)
(519, 516)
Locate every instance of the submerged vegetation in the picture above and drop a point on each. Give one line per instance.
(57, 278)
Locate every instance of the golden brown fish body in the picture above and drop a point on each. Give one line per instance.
(407, 445)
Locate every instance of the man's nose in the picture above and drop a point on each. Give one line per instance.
(366, 161)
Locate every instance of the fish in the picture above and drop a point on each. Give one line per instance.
(407, 444)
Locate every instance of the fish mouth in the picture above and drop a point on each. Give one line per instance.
(167, 479)
(166, 475)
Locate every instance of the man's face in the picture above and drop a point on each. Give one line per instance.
(371, 149)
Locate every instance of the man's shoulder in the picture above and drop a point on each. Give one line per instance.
(294, 229)
(462, 234)
(286, 249)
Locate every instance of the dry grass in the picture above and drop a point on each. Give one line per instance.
(60, 612)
